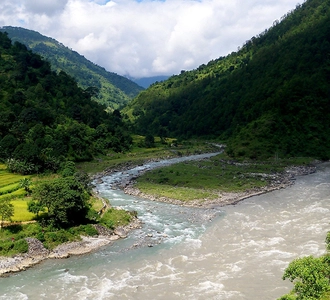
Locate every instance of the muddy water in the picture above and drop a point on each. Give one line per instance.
(236, 252)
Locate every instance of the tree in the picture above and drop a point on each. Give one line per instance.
(310, 276)
(35, 207)
(65, 200)
(149, 141)
(6, 210)
(25, 183)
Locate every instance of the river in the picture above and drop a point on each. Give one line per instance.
(234, 252)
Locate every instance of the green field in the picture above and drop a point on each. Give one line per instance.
(139, 154)
(204, 179)
(10, 187)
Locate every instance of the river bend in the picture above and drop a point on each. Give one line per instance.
(234, 252)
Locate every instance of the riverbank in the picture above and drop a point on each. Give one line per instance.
(38, 253)
(277, 181)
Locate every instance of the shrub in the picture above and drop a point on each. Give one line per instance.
(21, 246)
(89, 230)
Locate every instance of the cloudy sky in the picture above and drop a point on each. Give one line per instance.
(144, 38)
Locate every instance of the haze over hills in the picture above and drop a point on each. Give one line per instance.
(115, 91)
(147, 81)
(270, 98)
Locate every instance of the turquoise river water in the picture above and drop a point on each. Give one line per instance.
(233, 252)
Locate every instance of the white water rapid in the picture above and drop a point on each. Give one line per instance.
(235, 252)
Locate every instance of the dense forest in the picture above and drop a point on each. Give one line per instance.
(271, 97)
(112, 90)
(45, 118)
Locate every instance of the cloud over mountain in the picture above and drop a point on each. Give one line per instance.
(147, 38)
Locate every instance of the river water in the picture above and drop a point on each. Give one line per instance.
(235, 252)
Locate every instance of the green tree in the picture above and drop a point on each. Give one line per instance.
(65, 200)
(35, 207)
(25, 183)
(6, 210)
(310, 276)
(149, 141)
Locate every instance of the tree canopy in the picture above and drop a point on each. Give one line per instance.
(65, 199)
(45, 118)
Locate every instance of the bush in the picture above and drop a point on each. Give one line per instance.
(21, 246)
(20, 166)
(13, 247)
(89, 230)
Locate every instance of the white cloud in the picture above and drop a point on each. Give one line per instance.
(146, 38)
(49, 7)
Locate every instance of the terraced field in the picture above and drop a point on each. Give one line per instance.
(10, 187)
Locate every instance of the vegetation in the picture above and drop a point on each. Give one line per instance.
(311, 277)
(57, 208)
(6, 210)
(109, 89)
(205, 179)
(270, 97)
(116, 217)
(46, 119)
(138, 154)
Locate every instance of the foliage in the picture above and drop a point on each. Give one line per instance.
(35, 207)
(271, 96)
(45, 118)
(25, 183)
(149, 141)
(12, 247)
(310, 276)
(107, 88)
(115, 217)
(65, 200)
(6, 210)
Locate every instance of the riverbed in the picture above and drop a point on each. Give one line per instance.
(232, 252)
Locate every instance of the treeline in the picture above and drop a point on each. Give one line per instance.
(45, 118)
(271, 96)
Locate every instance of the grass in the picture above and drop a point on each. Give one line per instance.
(175, 192)
(116, 217)
(21, 214)
(137, 155)
(97, 203)
(204, 179)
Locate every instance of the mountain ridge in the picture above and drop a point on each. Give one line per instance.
(271, 96)
(114, 90)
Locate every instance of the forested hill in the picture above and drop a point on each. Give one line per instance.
(114, 90)
(272, 97)
(45, 118)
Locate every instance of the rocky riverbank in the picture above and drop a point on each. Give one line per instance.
(276, 181)
(38, 253)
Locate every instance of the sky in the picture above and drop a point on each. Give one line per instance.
(144, 38)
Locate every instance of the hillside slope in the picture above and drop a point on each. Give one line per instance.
(270, 97)
(46, 119)
(114, 90)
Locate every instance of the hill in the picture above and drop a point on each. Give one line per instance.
(45, 118)
(114, 90)
(269, 98)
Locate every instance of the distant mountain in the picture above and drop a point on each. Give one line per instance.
(115, 91)
(271, 98)
(147, 81)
